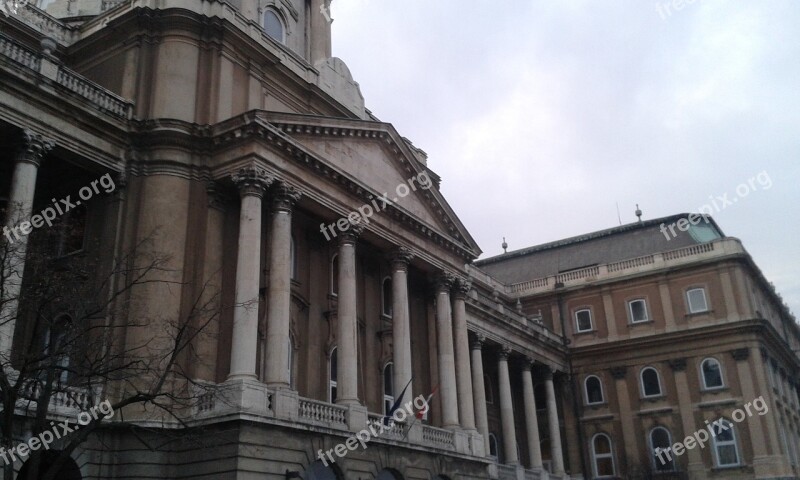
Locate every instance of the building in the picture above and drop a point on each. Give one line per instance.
(222, 142)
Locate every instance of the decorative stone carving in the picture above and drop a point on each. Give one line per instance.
(284, 196)
(677, 364)
(740, 354)
(34, 148)
(462, 286)
(400, 258)
(252, 181)
(618, 373)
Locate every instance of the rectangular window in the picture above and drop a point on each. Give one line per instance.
(638, 311)
(697, 300)
(583, 319)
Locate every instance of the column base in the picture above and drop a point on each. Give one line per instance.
(245, 394)
(356, 417)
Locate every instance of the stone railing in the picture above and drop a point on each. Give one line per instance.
(18, 53)
(46, 24)
(681, 256)
(439, 437)
(101, 98)
(394, 430)
(64, 401)
(322, 413)
(506, 472)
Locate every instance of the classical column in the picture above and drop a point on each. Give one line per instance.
(466, 408)
(629, 443)
(401, 329)
(552, 421)
(479, 390)
(17, 228)
(347, 335)
(252, 182)
(444, 337)
(694, 456)
(506, 408)
(280, 286)
(531, 422)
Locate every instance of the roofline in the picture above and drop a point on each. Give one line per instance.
(590, 236)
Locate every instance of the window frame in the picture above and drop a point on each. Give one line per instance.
(578, 323)
(493, 439)
(586, 390)
(281, 20)
(691, 310)
(716, 444)
(630, 311)
(656, 462)
(292, 259)
(602, 456)
(642, 385)
(333, 383)
(703, 374)
(388, 397)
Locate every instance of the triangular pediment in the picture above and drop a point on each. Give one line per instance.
(378, 159)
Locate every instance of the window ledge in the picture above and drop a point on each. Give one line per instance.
(585, 332)
(596, 406)
(699, 314)
(649, 321)
(713, 390)
(653, 398)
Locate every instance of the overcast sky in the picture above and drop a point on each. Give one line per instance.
(542, 116)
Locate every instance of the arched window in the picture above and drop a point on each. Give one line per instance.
(388, 475)
(651, 384)
(494, 448)
(712, 373)
(726, 452)
(335, 274)
(388, 387)
(293, 259)
(332, 376)
(602, 456)
(487, 389)
(320, 471)
(386, 297)
(594, 390)
(660, 442)
(68, 471)
(273, 25)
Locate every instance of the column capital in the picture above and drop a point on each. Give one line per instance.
(477, 341)
(527, 364)
(462, 286)
(618, 373)
(444, 281)
(350, 236)
(252, 180)
(677, 364)
(284, 196)
(740, 354)
(34, 147)
(400, 258)
(504, 353)
(548, 372)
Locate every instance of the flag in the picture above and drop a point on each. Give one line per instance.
(397, 403)
(422, 412)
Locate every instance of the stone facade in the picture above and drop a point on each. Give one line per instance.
(240, 150)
